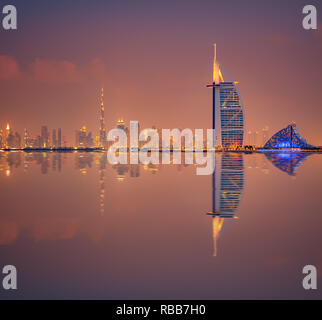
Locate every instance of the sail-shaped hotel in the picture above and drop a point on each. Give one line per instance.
(228, 109)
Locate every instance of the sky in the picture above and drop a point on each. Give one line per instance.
(154, 59)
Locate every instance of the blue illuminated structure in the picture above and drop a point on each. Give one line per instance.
(287, 162)
(288, 138)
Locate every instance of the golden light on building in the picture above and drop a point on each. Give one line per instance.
(215, 77)
(120, 178)
(102, 98)
(8, 127)
(220, 75)
(217, 223)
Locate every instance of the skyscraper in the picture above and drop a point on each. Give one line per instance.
(17, 140)
(228, 109)
(1, 139)
(265, 135)
(25, 139)
(59, 137)
(102, 121)
(249, 138)
(54, 139)
(44, 137)
(120, 124)
(255, 134)
(7, 134)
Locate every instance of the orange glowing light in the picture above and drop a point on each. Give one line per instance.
(220, 75)
(215, 77)
(217, 224)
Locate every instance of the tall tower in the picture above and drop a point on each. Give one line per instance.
(102, 135)
(7, 134)
(59, 138)
(44, 137)
(265, 134)
(25, 139)
(228, 109)
(1, 139)
(54, 139)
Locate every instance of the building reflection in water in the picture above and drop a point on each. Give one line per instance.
(227, 185)
(227, 191)
(83, 160)
(68, 225)
(101, 171)
(288, 162)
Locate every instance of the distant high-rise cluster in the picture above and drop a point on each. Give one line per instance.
(54, 140)
(11, 139)
(84, 139)
(254, 139)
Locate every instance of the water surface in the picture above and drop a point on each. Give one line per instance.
(77, 227)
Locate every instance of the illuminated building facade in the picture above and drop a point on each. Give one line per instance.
(228, 110)
(54, 139)
(265, 135)
(288, 138)
(44, 137)
(14, 140)
(26, 139)
(59, 138)
(2, 142)
(7, 135)
(102, 134)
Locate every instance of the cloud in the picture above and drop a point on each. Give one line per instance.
(55, 71)
(52, 71)
(9, 67)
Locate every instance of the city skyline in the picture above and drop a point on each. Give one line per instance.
(228, 122)
(168, 150)
(161, 79)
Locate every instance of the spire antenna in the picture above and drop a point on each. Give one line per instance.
(102, 130)
(216, 67)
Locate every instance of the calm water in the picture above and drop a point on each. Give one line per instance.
(77, 227)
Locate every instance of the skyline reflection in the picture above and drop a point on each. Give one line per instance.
(228, 181)
(110, 228)
(288, 162)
